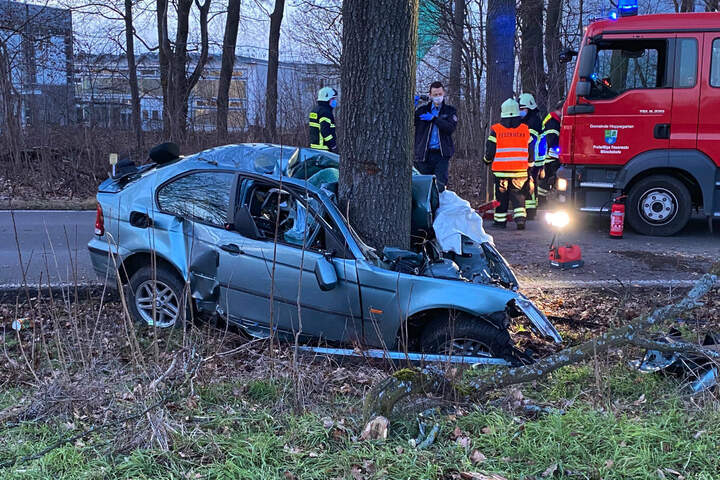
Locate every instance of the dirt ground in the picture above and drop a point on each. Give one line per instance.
(633, 260)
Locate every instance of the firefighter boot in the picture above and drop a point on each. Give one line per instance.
(520, 222)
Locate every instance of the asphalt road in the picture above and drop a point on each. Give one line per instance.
(51, 242)
(56, 242)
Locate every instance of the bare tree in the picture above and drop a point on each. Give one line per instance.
(271, 96)
(377, 81)
(532, 61)
(500, 41)
(226, 69)
(317, 27)
(555, 79)
(458, 25)
(132, 74)
(175, 82)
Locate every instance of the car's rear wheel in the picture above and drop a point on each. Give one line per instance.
(157, 298)
(462, 334)
(659, 205)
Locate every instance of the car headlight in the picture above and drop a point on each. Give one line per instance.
(562, 184)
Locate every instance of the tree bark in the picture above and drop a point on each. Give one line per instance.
(500, 43)
(226, 69)
(164, 61)
(377, 82)
(454, 78)
(532, 60)
(132, 75)
(553, 46)
(687, 6)
(271, 94)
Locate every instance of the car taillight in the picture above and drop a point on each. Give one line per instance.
(99, 221)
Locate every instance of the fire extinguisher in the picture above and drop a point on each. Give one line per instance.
(617, 217)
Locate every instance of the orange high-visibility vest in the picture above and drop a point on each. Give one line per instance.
(511, 153)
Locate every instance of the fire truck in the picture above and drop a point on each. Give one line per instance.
(641, 121)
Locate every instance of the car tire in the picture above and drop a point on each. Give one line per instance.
(659, 205)
(167, 289)
(466, 335)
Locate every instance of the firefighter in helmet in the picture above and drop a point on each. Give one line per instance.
(531, 117)
(506, 150)
(549, 149)
(322, 121)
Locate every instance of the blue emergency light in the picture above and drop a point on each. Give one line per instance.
(627, 8)
(613, 15)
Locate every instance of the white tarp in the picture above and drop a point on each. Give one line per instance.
(455, 218)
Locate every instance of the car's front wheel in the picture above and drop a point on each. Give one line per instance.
(462, 334)
(157, 298)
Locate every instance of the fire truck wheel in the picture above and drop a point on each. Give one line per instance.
(659, 205)
(465, 335)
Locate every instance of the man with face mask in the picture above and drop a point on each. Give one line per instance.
(531, 117)
(322, 121)
(435, 123)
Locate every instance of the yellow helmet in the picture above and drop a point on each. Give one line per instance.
(509, 109)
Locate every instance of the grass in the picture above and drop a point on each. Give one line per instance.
(237, 431)
(53, 204)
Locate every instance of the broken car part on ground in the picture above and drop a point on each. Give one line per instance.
(209, 221)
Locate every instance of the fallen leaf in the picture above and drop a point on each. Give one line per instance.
(480, 476)
(550, 470)
(487, 430)
(609, 463)
(640, 400)
(356, 473)
(290, 476)
(477, 457)
(375, 429)
(676, 473)
(699, 434)
(463, 442)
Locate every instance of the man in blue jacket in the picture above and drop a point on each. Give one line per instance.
(435, 123)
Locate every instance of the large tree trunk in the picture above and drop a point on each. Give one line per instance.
(271, 93)
(456, 53)
(553, 47)
(226, 69)
(532, 61)
(500, 43)
(132, 75)
(377, 82)
(164, 61)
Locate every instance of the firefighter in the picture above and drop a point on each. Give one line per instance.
(532, 118)
(548, 148)
(322, 121)
(507, 150)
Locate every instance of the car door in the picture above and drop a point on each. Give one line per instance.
(283, 270)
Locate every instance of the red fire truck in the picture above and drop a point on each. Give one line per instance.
(642, 120)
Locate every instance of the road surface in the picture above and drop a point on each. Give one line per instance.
(53, 242)
(56, 241)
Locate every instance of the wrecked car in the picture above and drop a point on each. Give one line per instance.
(198, 232)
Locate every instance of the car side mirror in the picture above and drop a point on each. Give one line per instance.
(244, 224)
(582, 88)
(325, 274)
(586, 63)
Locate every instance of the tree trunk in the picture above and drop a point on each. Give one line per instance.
(179, 86)
(687, 6)
(271, 94)
(532, 61)
(553, 47)
(132, 75)
(500, 43)
(226, 69)
(456, 54)
(377, 83)
(164, 61)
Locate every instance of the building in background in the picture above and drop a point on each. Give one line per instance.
(36, 64)
(102, 92)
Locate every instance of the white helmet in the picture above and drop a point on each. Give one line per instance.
(527, 101)
(326, 93)
(509, 109)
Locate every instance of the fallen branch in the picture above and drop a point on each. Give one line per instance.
(384, 396)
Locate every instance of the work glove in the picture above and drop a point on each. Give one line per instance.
(417, 100)
(427, 116)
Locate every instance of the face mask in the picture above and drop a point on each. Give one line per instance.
(438, 100)
(523, 113)
(333, 103)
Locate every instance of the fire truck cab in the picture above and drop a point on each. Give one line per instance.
(642, 120)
